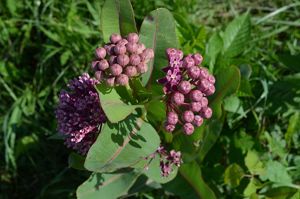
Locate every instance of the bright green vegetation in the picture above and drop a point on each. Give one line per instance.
(250, 149)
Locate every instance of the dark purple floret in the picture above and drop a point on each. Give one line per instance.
(79, 113)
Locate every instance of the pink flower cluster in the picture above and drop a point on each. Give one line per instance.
(79, 113)
(168, 160)
(121, 59)
(186, 86)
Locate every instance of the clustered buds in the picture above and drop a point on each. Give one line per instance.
(121, 59)
(168, 160)
(186, 86)
(79, 113)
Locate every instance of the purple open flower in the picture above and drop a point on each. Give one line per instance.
(79, 113)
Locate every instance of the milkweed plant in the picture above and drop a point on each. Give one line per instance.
(142, 110)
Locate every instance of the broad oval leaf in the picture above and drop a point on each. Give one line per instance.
(158, 32)
(123, 145)
(233, 175)
(117, 17)
(237, 35)
(108, 186)
(114, 108)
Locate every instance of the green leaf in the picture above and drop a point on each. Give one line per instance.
(192, 174)
(65, 57)
(296, 195)
(233, 104)
(280, 193)
(236, 36)
(154, 172)
(214, 47)
(293, 128)
(276, 172)
(251, 187)
(253, 163)
(108, 186)
(158, 32)
(114, 108)
(290, 61)
(233, 175)
(123, 145)
(76, 161)
(117, 17)
(227, 83)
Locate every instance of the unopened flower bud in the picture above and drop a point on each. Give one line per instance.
(188, 116)
(197, 59)
(112, 60)
(115, 38)
(206, 112)
(116, 69)
(188, 129)
(110, 81)
(130, 71)
(99, 75)
(123, 42)
(203, 73)
(134, 59)
(184, 87)
(147, 55)
(196, 95)
(142, 68)
(103, 65)
(198, 120)
(195, 106)
(172, 118)
(100, 53)
(131, 47)
(109, 49)
(204, 102)
(211, 79)
(204, 85)
(194, 72)
(119, 49)
(122, 80)
(211, 90)
(188, 62)
(169, 127)
(133, 37)
(178, 98)
(123, 60)
(140, 48)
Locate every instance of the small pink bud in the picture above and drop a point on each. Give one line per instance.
(188, 129)
(123, 60)
(147, 55)
(194, 72)
(211, 79)
(184, 87)
(203, 73)
(188, 116)
(134, 59)
(122, 80)
(115, 38)
(195, 106)
(196, 95)
(178, 98)
(119, 49)
(211, 90)
(204, 85)
(142, 68)
(109, 49)
(99, 75)
(103, 65)
(206, 112)
(130, 71)
(188, 62)
(131, 47)
(112, 60)
(172, 118)
(140, 48)
(198, 120)
(123, 42)
(197, 59)
(110, 81)
(116, 69)
(133, 37)
(169, 127)
(204, 102)
(100, 53)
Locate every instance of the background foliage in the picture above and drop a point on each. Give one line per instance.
(45, 43)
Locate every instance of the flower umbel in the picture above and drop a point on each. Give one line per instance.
(121, 59)
(79, 113)
(186, 86)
